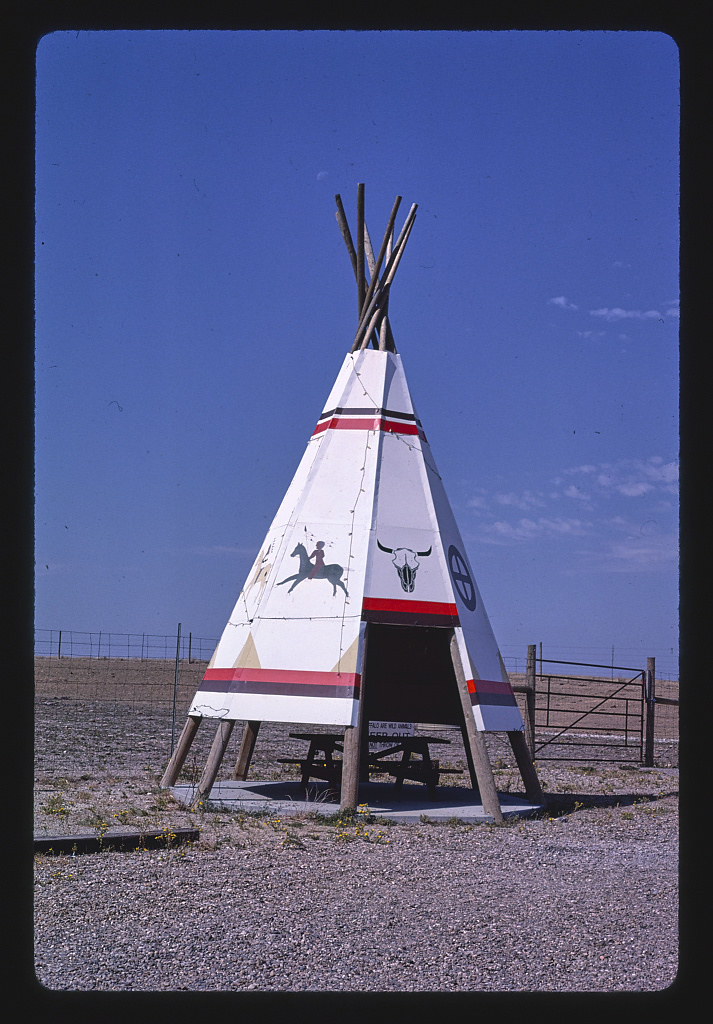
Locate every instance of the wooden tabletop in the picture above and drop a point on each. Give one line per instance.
(328, 737)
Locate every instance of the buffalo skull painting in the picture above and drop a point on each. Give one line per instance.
(406, 563)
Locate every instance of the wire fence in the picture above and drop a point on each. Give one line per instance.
(115, 700)
(72, 643)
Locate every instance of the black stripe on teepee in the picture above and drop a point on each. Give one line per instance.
(343, 411)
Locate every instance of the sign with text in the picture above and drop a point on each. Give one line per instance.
(390, 729)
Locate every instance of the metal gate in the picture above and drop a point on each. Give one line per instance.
(589, 718)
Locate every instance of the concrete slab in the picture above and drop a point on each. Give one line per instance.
(289, 798)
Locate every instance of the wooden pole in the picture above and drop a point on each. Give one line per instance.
(361, 285)
(650, 695)
(533, 789)
(247, 746)
(370, 309)
(399, 250)
(369, 252)
(390, 343)
(215, 757)
(383, 334)
(380, 298)
(175, 685)
(385, 245)
(346, 233)
(378, 314)
(530, 683)
(476, 742)
(179, 754)
(469, 756)
(380, 293)
(349, 793)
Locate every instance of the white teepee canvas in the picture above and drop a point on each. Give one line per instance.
(361, 604)
(365, 533)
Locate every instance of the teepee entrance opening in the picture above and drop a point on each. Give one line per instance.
(383, 619)
(410, 677)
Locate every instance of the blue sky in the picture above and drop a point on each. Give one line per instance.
(194, 302)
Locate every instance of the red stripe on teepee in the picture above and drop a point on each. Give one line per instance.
(491, 691)
(488, 686)
(379, 604)
(377, 423)
(396, 427)
(281, 676)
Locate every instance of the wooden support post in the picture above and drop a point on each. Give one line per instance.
(247, 746)
(181, 750)
(469, 756)
(215, 757)
(364, 751)
(650, 703)
(349, 796)
(351, 756)
(528, 773)
(476, 742)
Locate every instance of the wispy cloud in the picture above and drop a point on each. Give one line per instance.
(642, 552)
(479, 500)
(626, 314)
(525, 501)
(615, 314)
(220, 549)
(575, 492)
(624, 508)
(528, 529)
(632, 478)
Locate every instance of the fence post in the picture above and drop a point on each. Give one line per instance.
(190, 636)
(650, 698)
(175, 687)
(530, 700)
(59, 645)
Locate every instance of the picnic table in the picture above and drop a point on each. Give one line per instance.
(415, 762)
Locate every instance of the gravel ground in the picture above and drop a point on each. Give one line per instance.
(582, 898)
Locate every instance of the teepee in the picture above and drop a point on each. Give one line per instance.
(361, 604)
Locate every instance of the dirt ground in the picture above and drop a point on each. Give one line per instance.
(104, 731)
(119, 714)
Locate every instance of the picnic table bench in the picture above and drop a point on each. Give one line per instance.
(415, 762)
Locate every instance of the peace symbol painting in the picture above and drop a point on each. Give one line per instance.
(462, 578)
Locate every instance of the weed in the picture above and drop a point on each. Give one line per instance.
(290, 839)
(352, 826)
(56, 805)
(163, 800)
